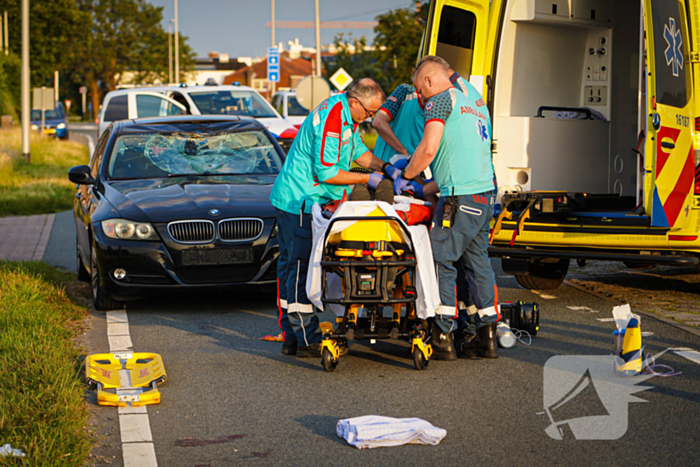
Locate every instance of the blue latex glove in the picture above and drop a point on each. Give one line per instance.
(401, 163)
(393, 171)
(374, 179)
(417, 189)
(401, 185)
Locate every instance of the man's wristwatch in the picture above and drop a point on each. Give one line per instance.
(386, 164)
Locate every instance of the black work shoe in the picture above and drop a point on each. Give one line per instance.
(385, 191)
(443, 345)
(466, 345)
(311, 351)
(289, 348)
(486, 345)
(360, 192)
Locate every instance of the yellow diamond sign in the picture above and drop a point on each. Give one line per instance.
(341, 79)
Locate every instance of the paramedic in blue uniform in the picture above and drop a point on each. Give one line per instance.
(316, 170)
(456, 144)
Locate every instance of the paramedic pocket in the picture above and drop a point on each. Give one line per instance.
(303, 239)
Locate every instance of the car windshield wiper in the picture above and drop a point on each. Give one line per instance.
(183, 175)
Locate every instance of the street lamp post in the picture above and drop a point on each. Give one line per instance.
(273, 85)
(170, 52)
(26, 121)
(177, 48)
(318, 42)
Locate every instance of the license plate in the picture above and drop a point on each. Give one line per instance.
(197, 257)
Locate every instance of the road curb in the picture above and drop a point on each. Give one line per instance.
(663, 319)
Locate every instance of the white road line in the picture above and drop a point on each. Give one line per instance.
(257, 314)
(585, 309)
(606, 320)
(137, 440)
(90, 144)
(543, 295)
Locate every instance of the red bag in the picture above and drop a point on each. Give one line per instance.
(418, 214)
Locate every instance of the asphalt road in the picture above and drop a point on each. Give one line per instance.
(232, 399)
(85, 133)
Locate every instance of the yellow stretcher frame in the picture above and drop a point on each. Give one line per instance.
(145, 370)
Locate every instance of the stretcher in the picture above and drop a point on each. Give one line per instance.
(365, 261)
(126, 379)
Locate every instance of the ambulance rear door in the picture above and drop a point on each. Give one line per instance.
(669, 159)
(459, 32)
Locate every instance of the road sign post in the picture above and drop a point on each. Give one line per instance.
(311, 91)
(83, 94)
(42, 99)
(273, 65)
(341, 79)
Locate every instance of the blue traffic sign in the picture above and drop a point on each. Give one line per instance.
(273, 64)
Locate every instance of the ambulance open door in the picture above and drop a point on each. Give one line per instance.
(457, 31)
(668, 156)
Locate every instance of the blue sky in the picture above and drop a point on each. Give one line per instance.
(237, 27)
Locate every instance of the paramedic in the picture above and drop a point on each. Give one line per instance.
(456, 145)
(316, 170)
(399, 124)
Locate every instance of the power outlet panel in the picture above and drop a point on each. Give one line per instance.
(595, 95)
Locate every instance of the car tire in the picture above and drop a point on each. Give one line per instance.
(544, 276)
(83, 274)
(100, 298)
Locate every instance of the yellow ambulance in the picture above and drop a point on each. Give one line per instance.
(593, 105)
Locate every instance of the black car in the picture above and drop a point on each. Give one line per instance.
(176, 202)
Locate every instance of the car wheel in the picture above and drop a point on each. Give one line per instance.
(100, 298)
(83, 274)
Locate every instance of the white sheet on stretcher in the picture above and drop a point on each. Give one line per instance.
(427, 295)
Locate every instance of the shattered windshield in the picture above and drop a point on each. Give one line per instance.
(159, 155)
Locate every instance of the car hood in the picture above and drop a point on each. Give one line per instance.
(178, 198)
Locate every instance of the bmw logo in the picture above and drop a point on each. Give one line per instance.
(214, 212)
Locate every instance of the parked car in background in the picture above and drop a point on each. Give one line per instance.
(208, 100)
(285, 102)
(55, 123)
(176, 203)
(126, 104)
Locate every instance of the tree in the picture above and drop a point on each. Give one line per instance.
(353, 58)
(54, 27)
(120, 36)
(399, 34)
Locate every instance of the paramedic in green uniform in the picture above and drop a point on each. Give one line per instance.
(456, 144)
(316, 170)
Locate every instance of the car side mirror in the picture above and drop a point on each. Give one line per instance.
(81, 175)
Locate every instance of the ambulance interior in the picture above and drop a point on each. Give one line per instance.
(554, 55)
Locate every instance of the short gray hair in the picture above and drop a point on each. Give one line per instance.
(431, 59)
(365, 89)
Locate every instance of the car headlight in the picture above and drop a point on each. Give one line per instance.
(61, 126)
(123, 229)
(35, 127)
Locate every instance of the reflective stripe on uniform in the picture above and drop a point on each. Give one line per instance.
(300, 308)
(471, 309)
(486, 312)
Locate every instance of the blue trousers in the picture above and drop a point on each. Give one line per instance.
(463, 265)
(296, 313)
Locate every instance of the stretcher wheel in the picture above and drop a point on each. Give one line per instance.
(327, 360)
(419, 360)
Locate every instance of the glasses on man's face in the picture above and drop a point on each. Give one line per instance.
(368, 113)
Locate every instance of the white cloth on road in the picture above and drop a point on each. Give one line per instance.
(374, 431)
(427, 295)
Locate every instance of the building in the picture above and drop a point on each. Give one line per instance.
(292, 70)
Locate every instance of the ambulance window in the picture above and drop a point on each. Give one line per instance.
(671, 52)
(456, 38)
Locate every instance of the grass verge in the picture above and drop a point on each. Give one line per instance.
(42, 411)
(42, 186)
